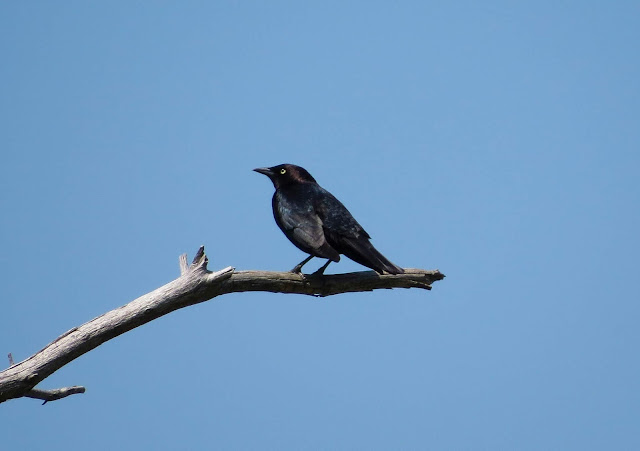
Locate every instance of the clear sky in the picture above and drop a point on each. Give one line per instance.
(496, 141)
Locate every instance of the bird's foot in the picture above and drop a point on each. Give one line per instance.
(320, 271)
(298, 268)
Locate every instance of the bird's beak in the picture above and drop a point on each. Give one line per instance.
(266, 171)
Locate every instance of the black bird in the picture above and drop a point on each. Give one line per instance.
(317, 223)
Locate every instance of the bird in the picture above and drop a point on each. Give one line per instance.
(319, 224)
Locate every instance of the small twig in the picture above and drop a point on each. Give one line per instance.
(52, 395)
(184, 266)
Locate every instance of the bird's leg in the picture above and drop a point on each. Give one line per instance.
(320, 271)
(298, 267)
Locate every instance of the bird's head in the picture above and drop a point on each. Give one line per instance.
(286, 174)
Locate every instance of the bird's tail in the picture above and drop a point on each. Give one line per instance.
(362, 251)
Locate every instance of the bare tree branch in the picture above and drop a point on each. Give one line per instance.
(49, 395)
(196, 284)
(52, 395)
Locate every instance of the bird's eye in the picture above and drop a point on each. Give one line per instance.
(283, 171)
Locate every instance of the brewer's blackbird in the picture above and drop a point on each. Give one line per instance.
(317, 223)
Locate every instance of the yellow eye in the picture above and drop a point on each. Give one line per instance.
(283, 171)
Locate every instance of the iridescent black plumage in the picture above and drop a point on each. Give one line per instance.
(317, 223)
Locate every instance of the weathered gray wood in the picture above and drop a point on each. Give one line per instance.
(326, 285)
(52, 395)
(196, 284)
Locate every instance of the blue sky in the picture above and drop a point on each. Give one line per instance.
(495, 141)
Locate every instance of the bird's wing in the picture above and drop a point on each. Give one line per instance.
(308, 230)
(304, 228)
(347, 236)
(336, 218)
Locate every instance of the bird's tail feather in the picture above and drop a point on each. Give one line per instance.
(363, 252)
